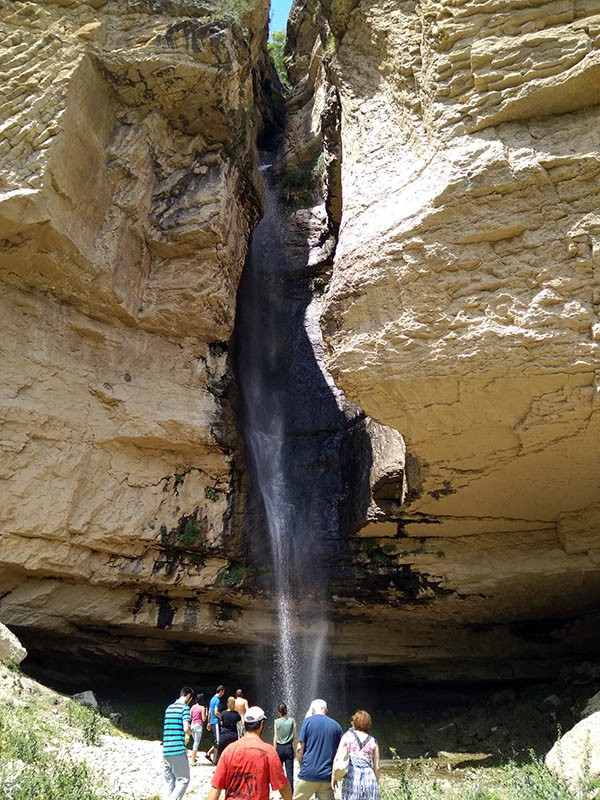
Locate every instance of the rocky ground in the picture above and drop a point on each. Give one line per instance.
(133, 768)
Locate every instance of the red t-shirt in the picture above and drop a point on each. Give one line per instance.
(246, 768)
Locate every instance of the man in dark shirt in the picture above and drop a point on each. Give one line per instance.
(317, 745)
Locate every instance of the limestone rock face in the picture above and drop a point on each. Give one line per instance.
(458, 151)
(463, 306)
(127, 196)
(575, 756)
(592, 707)
(11, 648)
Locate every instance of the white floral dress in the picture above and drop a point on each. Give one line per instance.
(360, 783)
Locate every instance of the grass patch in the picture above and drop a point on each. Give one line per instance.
(423, 780)
(140, 719)
(32, 761)
(90, 722)
(51, 779)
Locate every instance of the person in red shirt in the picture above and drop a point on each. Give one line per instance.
(249, 766)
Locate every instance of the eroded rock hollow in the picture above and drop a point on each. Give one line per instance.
(441, 163)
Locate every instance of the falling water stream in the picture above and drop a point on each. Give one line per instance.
(293, 427)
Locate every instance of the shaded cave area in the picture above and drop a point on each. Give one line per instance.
(414, 716)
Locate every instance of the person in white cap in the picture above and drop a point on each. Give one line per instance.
(249, 766)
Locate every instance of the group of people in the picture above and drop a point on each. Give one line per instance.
(226, 726)
(186, 719)
(246, 765)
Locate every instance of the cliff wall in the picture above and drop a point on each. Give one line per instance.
(128, 191)
(462, 162)
(454, 263)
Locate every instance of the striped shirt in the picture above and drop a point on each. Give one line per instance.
(173, 734)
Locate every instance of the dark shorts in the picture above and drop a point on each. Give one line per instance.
(215, 730)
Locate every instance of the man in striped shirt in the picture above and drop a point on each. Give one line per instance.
(175, 763)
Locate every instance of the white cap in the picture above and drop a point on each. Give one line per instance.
(254, 714)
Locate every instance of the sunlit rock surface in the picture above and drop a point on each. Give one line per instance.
(460, 164)
(462, 312)
(11, 649)
(127, 195)
(575, 756)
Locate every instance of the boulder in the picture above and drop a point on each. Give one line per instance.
(11, 648)
(86, 698)
(575, 757)
(592, 706)
(552, 700)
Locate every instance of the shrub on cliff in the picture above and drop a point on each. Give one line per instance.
(231, 10)
(275, 48)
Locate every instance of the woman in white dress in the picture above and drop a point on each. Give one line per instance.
(362, 779)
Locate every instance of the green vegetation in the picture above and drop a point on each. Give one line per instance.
(90, 722)
(32, 761)
(186, 542)
(319, 284)
(190, 532)
(49, 779)
(373, 552)
(218, 387)
(275, 48)
(297, 186)
(233, 575)
(142, 719)
(212, 493)
(329, 49)
(231, 10)
(217, 349)
(425, 780)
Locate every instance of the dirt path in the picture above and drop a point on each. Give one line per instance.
(133, 768)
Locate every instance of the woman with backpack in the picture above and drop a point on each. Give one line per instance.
(361, 782)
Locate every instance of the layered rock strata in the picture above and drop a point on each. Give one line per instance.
(128, 191)
(462, 311)
(457, 149)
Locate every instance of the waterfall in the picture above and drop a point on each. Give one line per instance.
(287, 416)
(271, 349)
